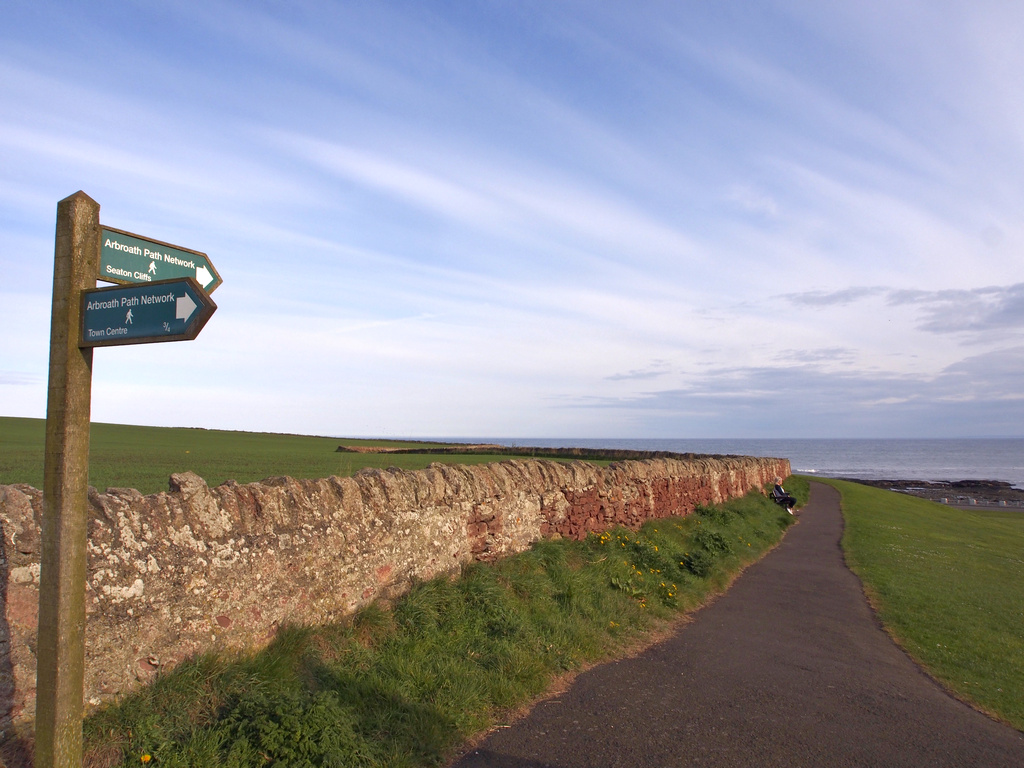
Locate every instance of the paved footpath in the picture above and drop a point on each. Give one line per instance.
(788, 668)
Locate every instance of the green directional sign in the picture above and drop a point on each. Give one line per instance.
(128, 259)
(167, 310)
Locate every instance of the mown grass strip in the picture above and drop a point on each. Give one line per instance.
(948, 585)
(405, 685)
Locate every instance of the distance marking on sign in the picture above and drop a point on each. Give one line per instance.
(166, 310)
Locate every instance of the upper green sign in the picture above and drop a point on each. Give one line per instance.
(127, 259)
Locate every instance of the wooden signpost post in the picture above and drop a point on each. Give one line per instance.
(60, 654)
(172, 310)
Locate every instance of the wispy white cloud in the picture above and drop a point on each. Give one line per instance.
(976, 393)
(568, 218)
(988, 312)
(481, 194)
(656, 369)
(828, 298)
(19, 379)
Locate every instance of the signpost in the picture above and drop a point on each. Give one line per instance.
(151, 309)
(60, 654)
(168, 310)
(126, 258)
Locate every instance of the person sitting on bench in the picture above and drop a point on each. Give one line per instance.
(779, 496)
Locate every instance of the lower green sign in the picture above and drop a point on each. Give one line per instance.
(168, 310)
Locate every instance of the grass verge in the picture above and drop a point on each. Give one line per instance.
(406, 684)
(947, 585)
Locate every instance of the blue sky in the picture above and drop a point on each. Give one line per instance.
(537, 219)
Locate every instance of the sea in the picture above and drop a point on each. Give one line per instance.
(865, 459)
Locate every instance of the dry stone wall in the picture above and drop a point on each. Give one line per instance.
(197, 568)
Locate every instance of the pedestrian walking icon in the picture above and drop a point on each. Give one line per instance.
(129, 259)
(163, 310)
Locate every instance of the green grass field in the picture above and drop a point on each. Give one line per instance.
(404, 685)
(948, 585)
(143, 458)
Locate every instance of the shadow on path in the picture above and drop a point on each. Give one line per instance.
(788, 668)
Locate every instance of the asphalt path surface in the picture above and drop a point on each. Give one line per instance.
(789, 668)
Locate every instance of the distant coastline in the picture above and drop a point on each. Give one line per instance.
(963, 493)
(935, 460)
(959, 493)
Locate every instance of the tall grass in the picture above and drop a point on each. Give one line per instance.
(948, 584)
(405, 684)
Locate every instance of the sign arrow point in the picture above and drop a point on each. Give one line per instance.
(130, 259)
(164, 310)
(203, 276)
(185, 307)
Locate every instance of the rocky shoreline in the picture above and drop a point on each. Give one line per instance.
(958, 493)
